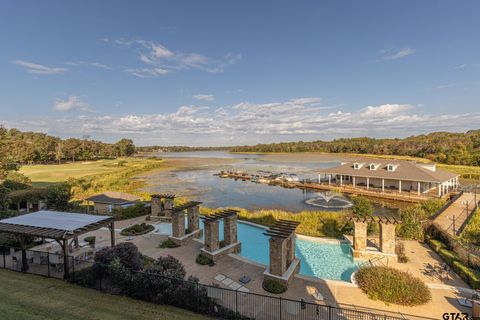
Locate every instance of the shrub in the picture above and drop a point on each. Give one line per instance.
(411, 226)
(274, 286)
(126, 252)
(471, 276)
(58, 197)
(169, 243)
(204, 260)
(431, 206)
(392, 286)
(435, 244)
(400, 251)
(167, 266)
(134, 211)
(362, 207)
(137, 229)
(90, 240)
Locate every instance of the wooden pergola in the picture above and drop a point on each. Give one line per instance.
(59, 226)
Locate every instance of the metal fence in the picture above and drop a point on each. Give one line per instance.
(188, 294)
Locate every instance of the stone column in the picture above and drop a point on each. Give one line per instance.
(193, 218)
(230, 229)
(178, 224)
(387, 238)
(212, 242)
(290, 250)
(360, 236)
(156, 206)
(278, 261)
(169, 203)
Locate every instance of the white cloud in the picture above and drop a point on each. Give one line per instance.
(70, 104)
(38, 68)
(393, 55)
(251, 123)
(158, 60)
(204, 97)
(90, 64)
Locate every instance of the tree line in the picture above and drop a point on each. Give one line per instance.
(442, 147)
(17, 147)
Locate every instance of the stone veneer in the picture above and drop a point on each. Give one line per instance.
(156, 206)
(387, 238)
(211, 230)
(230, 229)
(359, 238)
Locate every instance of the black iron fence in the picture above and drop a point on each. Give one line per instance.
(188, 294)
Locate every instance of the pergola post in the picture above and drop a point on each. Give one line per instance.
(387, 238)
(156, 205)
(230, 229)
(65, 258)
(178, 224)
(360, 236)
(193, 219)
(212, 242)
(112, 233)
(21, 240)
(278, 257)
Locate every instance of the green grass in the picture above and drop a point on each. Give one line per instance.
(51, 173)
(312, 223)
(471, 233)
(24, 296)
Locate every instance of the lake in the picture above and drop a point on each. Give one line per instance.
(196, 180)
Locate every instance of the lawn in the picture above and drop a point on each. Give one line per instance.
(50, 173)
(24, 296)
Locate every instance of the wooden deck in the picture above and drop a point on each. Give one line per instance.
(405, 196)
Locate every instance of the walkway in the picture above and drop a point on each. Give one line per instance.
(456, 212)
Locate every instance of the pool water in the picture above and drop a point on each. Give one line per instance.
(317, 259)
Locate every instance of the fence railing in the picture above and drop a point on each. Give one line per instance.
(447, 205)
(188, 294)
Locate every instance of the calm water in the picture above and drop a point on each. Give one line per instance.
(202, 185)
(321, 260)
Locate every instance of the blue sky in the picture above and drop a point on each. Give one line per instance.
(243, 72)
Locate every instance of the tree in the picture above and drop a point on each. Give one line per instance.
(362, 207)
(58, 197)
(125, 147)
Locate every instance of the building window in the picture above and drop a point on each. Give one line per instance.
(390, 167)
(356, 166)
(372, 166)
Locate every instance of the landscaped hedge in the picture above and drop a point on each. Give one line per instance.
(392, 286)
(134, 211)
(469, 275)
(137, 229)
(274, 286)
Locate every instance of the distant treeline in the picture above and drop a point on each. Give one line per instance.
(179, 149)
(442, 147)
(33, 147)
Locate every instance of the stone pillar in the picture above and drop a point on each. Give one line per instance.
(156, 206)
(169, 202)
(290, 250)
(278, 261)
(212, 242)
(193, 218)
(178, 224)
(387, 238)
(360, 236)
(230, 229)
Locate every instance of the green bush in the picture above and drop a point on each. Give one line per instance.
(400, 251)
(169, 244)
(447, 256)
(204, 260)
(435, 244)
(392, 286)
(362, 207)
(411, 227)
(137, 229)
(274, 286)
(471, 276)
(134, 211)
(90, 240)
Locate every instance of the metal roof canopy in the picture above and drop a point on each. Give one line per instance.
(282, 229)
(163, 195)
(375, 219)
(54, 224)
(186, 205)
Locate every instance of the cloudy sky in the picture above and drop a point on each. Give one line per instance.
(243, 72)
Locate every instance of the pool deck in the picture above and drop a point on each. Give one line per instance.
(444, 292)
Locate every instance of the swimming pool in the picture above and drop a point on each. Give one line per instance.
(318, 259)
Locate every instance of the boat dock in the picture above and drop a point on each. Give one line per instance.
(348, 189)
